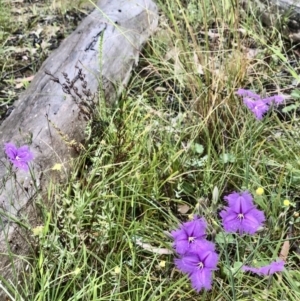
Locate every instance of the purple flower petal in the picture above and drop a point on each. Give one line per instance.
(204, 255)
(268, 100)
(10, 150)
(199, 266)
(237, 199)
(248, 93)
(188, 263)
(210, 259)
(242, 215)
(258, 107)
(201, 279)
(231, 223)
(234, 196)
(24, 153)
(189, 235)
(19, 157)
(277, 99)
(20, 165)
(272, 268)
(181, 241)
(253, 220)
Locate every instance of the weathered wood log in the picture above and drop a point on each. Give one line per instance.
(274, 12)
(96, 60)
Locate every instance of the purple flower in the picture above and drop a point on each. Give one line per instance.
(247, 93)
(243, 196)
(258, 107)
(199, 266)
(277, 99)
(189, 236)
(273, 267)
(19, 157)
(242, 215)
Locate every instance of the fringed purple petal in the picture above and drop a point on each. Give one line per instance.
(201, 279)
(10, 150)
(272, 268)
(248, 93)
(25, 154)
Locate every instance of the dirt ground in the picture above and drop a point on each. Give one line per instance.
(29, 31)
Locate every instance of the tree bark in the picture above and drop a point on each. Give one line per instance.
(51, 116)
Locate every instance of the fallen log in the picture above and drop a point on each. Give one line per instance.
(93, 63)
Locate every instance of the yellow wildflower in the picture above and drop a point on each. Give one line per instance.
(57, 167)
(162, 264)
(37, 230)
(259, 191)
(117, 270)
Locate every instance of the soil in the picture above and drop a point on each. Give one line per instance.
(32, 29)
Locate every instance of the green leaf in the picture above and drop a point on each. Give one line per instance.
(227, 158)
(236, 267)
(199, 149)
(290, 108)
(295, 94)
(224, 238)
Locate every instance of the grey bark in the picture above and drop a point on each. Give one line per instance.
(105, 47)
